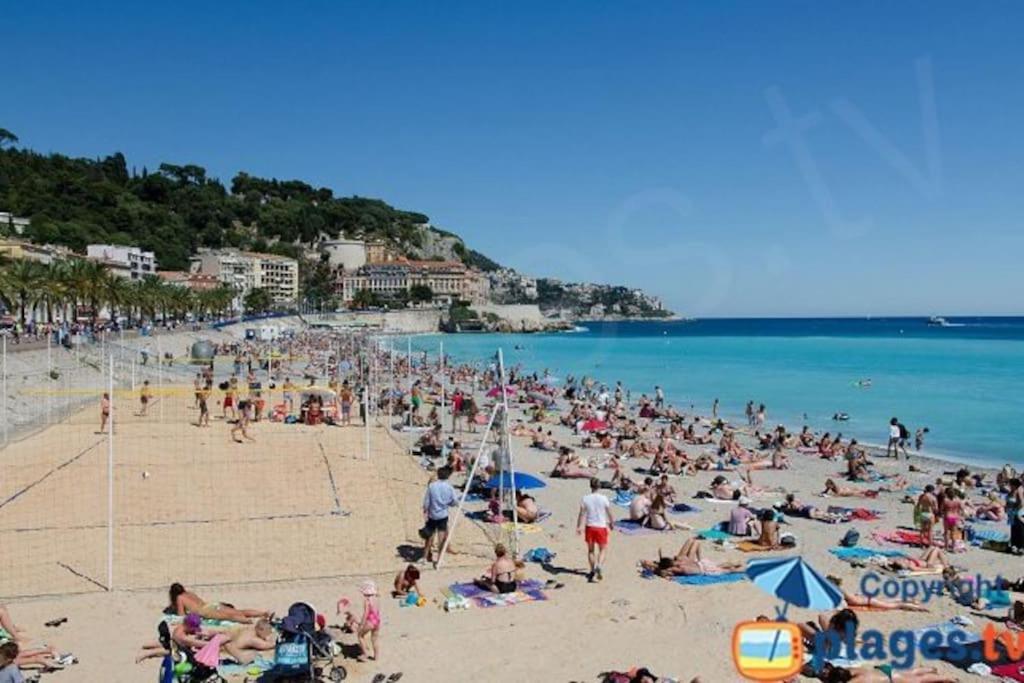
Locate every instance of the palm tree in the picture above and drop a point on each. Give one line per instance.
(53, 289)
(19, 286)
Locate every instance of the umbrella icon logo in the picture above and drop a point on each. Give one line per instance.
(773, 650)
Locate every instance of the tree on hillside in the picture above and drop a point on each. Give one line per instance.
(7, 138)
(257, 300)
(421, 293)
(364, 299)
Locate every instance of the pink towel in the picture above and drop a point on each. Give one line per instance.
(209, 655)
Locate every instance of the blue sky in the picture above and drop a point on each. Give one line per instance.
(633, 143)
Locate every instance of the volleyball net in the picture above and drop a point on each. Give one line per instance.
(112, 492)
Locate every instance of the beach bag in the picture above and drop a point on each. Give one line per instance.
(850, 539)
(787, 541)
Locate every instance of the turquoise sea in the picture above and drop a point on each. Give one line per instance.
(965, 381)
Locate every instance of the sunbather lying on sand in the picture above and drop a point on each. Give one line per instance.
(854, 600)
(831, 489)
(568, 467)
(44, 656)
(883, 674)
(931, 558)
(184, 601)
(526, 507)
(795, 508)
(245, 643)
(688, 561)
(188, 635)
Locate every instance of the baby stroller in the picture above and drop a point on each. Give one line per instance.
(180, 666)
(303, 654)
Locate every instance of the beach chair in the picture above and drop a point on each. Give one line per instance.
(180, 666)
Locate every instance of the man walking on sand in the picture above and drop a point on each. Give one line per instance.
(439, 497)
(595, 523)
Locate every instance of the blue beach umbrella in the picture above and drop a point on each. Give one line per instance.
(522, 481)
(795, 582)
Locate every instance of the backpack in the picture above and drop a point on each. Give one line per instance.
(851, 539)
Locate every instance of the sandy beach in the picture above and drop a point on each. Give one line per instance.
(240, 522)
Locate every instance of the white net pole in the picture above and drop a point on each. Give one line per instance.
(49, 377)
(7, 418)
(110, 480)
(160, 375)
(444, 383)
(465, 490)
(506, 444)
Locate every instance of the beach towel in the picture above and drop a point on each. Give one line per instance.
(529, 591)
(718, 501)
(257, 667)
(1014, 671)
(683, 508)
(861, 553)
(523, 528)
(978, 536)
(863, 514)
(944, 629)
(715, 535)
(898, 536)
(709, 579)
(752, 547)
(173, 619)
(631, 528)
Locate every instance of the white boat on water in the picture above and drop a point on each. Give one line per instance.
(939, 321)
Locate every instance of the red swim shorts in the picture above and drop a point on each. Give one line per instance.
(596, 535)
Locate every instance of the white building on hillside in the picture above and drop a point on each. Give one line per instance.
(246, 270)
(14, 225)
(128, 262)
(347, 254)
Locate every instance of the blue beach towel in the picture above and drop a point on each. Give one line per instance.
(709, 579)
(631, 528)
(715, 535)
(977, 535)
(863, 553)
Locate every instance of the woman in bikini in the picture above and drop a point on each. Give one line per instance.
(689, 561)
(952, 508)
(501, 577)
(931, 558)
(185, 601)
(857, 601)
(831, 489)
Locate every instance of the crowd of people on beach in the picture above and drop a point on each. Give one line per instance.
(638, 454)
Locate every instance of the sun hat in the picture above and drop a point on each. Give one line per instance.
(368, 588)
(743, 500)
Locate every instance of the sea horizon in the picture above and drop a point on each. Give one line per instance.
(957, 381)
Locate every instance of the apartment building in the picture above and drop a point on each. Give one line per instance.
(128, 262)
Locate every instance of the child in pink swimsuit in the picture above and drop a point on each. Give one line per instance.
(369, 629)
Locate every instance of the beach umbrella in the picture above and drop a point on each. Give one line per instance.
(795, 582)
(522, 481)
(594, 426)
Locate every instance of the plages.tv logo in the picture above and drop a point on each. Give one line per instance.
(767, 650)
(774, 650)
